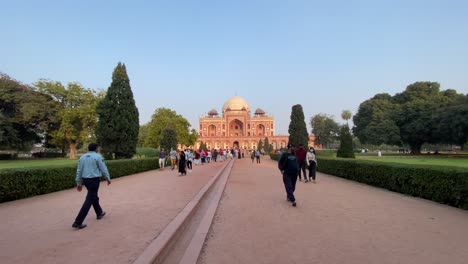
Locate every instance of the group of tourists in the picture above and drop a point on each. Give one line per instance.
(292, 163)
(91, 168)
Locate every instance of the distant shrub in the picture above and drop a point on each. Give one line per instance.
(50, 155)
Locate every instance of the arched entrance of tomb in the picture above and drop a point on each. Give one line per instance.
(236, 128)
(261, 130)
(283, 144)
(236, 144)
(212, 130)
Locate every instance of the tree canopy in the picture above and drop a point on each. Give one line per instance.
(26, 115)
(76, 116)
(118, 126)
(169, 137)
(324, 128)
(413, 117)
(160, 119)
(297, 127)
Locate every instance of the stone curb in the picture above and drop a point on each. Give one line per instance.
(158, 248)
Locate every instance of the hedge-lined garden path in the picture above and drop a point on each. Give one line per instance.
(38, 229)
(335, 221)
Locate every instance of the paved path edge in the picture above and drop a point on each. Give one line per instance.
(159, 247)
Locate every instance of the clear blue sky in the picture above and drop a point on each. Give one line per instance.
(192, 56)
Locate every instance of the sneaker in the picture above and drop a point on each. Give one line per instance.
(101, 216)
(294, 204)
(305, 181)
(78, 226)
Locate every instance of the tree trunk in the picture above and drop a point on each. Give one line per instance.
(72, 147)
(415, 149)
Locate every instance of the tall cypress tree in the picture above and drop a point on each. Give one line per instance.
(117, 130)
(346, 143)
(297, 128)
(266, 145)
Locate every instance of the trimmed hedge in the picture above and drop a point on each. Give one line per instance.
(147, 152)
(440, 184)
(7, 156)
(26, 182)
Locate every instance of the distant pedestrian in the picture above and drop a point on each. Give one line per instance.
(162, 158)
(215, 155)
(287, 164)
(301, 162)
(257, 155)
(312, 160)
(182, 165)
(252, 155)
(88, 173)
(189, 157)
(173, 155)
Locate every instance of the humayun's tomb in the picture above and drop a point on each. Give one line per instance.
(237, 128)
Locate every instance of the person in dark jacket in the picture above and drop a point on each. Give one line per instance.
(287, 164)
(301, 162)
(182, 163)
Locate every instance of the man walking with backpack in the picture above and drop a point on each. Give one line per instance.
(287, 164)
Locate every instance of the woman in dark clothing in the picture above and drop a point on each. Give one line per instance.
(182, 163)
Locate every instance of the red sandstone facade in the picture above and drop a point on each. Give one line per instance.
(237, 128)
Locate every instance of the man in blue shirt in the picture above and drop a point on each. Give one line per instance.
(287, 164)
(90, 169)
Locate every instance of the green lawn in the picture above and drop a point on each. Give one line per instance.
(9, 164)
(434, 161)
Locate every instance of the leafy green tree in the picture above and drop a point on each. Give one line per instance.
(203, 146)
(324, 128)
(297, 127)
(192, 139)
(406, 118)
(375, 122)
(452, 123)
(346, 143)
(346, 115)
(169, 137)
(118, 125)
(26, 114)
(260, 145)
(160, 119)
(266, 145)
(143, 135)
(77, 117)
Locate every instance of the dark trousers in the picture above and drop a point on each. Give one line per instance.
(258, 159)
(289, 181)
(312, 170)
(301, 167)
(189, 164)
(92, 198)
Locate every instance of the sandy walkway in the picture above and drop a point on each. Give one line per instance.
(336, 221)
(38, 229)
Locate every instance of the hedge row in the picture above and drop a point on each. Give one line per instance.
(440, 184)
(6, 156)
(21, 183)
